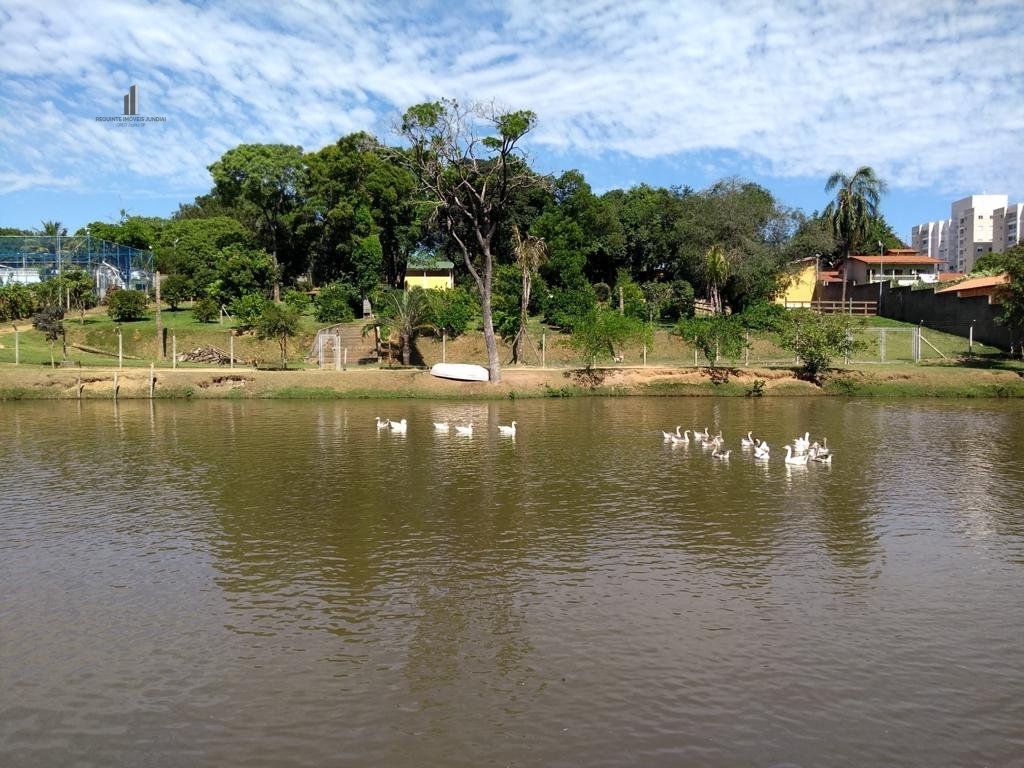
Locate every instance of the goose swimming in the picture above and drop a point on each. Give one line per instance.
(800, 459)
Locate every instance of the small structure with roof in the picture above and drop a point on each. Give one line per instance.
(904, 266)
(985, 285)
(425, 270)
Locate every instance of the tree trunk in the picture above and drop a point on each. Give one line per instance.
(406, 349)
(843, 301)
(277, 277)
(518, 352)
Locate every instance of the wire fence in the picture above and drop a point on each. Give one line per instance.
(31, 259)
(911, 344)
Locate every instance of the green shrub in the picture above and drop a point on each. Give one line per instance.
(681, 301)
(124, 306)
(205, 310)
(17, 301)
(247, 310)
(174, 289)
(300, 301)
(335, 303)
(564, 306)
(452, 310)
(764, 316)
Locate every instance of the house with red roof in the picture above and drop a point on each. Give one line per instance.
(902, 266)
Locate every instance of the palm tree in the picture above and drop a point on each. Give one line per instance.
(530, 252)
(408, 314)
(716, 269)
(855, 205)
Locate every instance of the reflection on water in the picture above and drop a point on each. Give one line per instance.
(283, 583)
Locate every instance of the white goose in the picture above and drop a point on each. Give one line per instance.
(762, 450)
(748, 441)
(801, 444)
(669, 436)
(466, 429)
(826, 459)
(397, 426)
(382, 424)
(798, 459)
(441, 426)
(507, 429)
(683, 439)
(717, 454)
(701, 436)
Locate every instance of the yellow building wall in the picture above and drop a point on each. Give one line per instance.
(429, 281)
(800, 290)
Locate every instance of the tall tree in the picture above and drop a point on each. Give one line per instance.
(716, 270)
(279, 322)
(1011, 297)
(855, 205)
(263, 179)
(530, 252)
(50, 320)
(354, 191)
(469, 162)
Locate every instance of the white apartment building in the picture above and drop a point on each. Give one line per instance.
(969, 231)
(932, 239)
(1007, 227)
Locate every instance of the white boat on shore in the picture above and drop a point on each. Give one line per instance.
(459, 371)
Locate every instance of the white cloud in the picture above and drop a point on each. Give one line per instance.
(929, 93)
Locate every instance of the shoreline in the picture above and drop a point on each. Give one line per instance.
(45, 383)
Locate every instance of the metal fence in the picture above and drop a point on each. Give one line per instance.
(29, 259)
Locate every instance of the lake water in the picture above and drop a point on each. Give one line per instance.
(222, 583)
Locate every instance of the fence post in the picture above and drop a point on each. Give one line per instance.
(970, 339)
(120, 348)
(174, 350)
(17, 350)
(881, 345)
(231, 349)
(543, 350)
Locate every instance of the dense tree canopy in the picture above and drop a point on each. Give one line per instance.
(467, 159)
(343, 220)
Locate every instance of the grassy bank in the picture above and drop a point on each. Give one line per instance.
(42, 382)
(667, 369)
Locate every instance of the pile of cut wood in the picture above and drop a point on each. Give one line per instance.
(206, 354)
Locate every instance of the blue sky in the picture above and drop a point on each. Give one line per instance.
(930, 93)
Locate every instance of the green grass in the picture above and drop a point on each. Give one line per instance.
(140, 347)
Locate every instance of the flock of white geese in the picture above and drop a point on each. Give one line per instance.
(401, 426)
(799, 452)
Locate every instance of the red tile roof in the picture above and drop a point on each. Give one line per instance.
(895, 258)
(974, 283)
